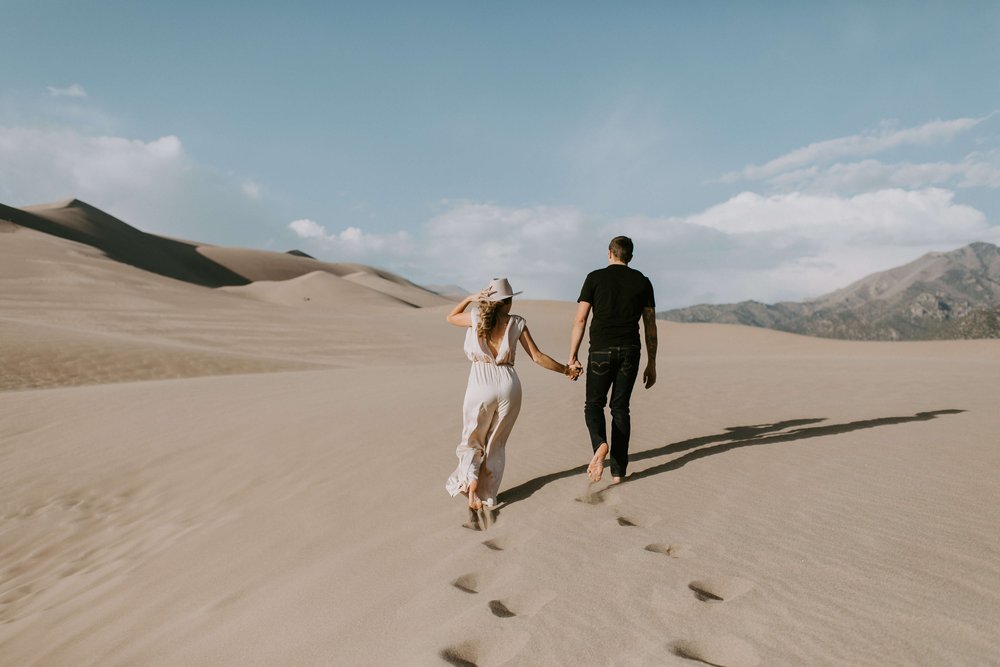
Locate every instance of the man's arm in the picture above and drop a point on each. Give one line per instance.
(579, 326)
(649, 326)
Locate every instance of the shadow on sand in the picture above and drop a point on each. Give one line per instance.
(737, 436)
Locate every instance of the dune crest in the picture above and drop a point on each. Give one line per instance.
(200, 264)
(317, 289)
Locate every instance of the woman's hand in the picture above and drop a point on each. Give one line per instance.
(483, 294)
(573, 371)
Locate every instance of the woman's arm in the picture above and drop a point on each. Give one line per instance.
(542, 359)
(458, 316)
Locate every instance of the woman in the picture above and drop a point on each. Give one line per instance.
(493, 396)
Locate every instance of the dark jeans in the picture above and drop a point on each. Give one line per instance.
(614, 369)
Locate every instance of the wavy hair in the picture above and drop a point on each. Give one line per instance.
(488, 316)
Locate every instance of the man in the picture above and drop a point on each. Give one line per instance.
(618, 295)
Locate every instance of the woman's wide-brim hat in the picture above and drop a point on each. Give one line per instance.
(500, 289)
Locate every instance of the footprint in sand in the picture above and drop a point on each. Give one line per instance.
(719, 651)
(523, 604)
(500, 610)
(630, 520)
(480, 519)
(506, 541)
(499, 543)
(591, 498)
(719, 589)
(672, 550)
(495, 545)
(599, 495)
(467, 583)
(501, 648)
(462, 655)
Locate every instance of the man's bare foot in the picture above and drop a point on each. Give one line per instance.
(475, 503)
(617, 480)
(596, 467)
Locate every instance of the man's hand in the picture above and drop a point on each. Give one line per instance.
(649, 376)
(575, 369)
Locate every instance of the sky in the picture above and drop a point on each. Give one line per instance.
(752, 150)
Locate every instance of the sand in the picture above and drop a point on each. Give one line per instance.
(254, 475)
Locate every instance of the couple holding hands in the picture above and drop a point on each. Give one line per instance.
(617, 296)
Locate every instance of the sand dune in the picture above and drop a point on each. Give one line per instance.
(188, 261)
(402, 292)
(74, 290)
(791, 500)
(318, 289)
(261, 265)
(77, 221)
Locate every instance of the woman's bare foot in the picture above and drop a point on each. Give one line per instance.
(475, 503)
(596, 467)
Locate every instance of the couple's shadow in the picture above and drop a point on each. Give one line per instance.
(735, 436)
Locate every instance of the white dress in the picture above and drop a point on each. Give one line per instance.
(492, 402)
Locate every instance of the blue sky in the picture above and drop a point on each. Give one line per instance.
(753, 150)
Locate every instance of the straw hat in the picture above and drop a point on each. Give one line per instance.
(499, 289)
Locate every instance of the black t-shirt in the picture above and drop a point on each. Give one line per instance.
(617, 295)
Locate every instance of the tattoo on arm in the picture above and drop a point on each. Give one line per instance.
(649, 320)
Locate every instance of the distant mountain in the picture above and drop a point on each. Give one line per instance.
(941, 295)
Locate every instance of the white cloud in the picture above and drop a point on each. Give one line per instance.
(796, 246)
(471, 242)
(981, 171)
(972, 172)
(154, 185)
(822, 225)
(825, 223)
(538, 245)
(752, 246)
(74, 90)
(251, 190)
(352, 240)
(893, 215)
(307, 229)
(41, 163)
(883, 139)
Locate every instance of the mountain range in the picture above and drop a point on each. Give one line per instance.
(941, 295)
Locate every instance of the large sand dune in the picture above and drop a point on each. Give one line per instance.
(192, 475)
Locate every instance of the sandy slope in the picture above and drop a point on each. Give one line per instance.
(71, 315)
(792, 500)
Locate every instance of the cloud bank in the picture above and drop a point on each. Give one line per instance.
(154, 185)
(883, 139)
(799, 225)
(73, 90)
(818, 224)
(751, 246)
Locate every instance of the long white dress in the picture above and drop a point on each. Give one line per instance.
(492, 402)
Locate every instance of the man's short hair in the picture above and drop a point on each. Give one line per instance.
(621, 248)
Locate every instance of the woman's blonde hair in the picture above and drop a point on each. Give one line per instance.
(488, 316)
